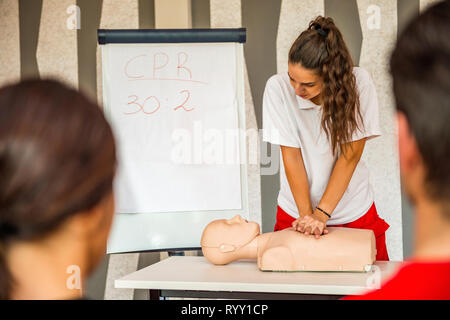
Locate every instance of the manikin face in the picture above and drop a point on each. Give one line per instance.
(306, 83)
(222, 238)
(235, 232)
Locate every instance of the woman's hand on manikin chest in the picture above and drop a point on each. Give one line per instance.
(315, 224)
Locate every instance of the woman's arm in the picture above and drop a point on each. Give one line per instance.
(341, 175)
(338, 183)
(297, 178)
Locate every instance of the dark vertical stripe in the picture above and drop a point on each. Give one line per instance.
(406, 10)
(346, 17)
(96, 282)
(90, 14)
(201, 16)
(146, 14)
(261, 20)
(29, 22)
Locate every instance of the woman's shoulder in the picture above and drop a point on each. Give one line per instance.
(278, 84)
(278, 80)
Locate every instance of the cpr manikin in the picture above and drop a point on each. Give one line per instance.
(342, 249)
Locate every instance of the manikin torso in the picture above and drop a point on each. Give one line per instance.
(342, 249)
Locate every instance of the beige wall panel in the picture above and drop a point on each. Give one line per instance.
(227, 14)
(119, 266)
(173, 14)
(119, 14)
(56, 54)
(9, 42)
(116, 14)
(379, 25)
(295, 16)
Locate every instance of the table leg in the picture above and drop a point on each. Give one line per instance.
(154, 294)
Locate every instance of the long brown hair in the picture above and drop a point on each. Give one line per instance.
(57, 158)
(321, 48)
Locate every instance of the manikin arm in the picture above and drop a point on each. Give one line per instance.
(297, 178)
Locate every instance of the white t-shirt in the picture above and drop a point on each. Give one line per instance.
(292, 121)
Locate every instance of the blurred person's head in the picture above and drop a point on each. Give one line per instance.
(57, 164)
(420, 67)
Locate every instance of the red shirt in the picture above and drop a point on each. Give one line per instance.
(414, 281)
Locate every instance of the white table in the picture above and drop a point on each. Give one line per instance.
(195, 277)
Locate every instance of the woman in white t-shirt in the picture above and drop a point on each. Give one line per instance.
(321, 113)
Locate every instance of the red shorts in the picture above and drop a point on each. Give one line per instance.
(370, 220)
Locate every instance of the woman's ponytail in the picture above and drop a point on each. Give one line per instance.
(321, 48)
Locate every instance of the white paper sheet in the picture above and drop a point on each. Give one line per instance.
(174, 113)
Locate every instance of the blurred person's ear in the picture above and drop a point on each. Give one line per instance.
(411, 163)
(96, 219)
(92, 228)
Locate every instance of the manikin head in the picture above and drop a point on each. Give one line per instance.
(222, 239)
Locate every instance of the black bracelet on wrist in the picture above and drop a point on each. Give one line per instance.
(323, 212)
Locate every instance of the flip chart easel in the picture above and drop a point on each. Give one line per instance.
(154, 83)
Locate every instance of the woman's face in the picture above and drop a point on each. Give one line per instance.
(306, 83)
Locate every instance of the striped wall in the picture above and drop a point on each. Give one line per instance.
(379, 30)
(57, 49)
(117, 14)
(50, 38)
